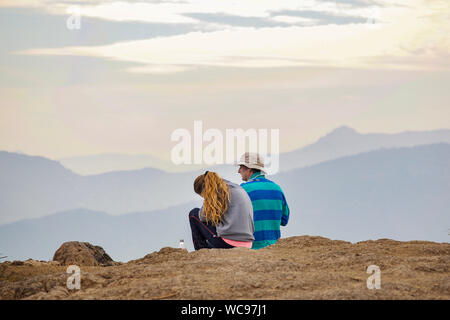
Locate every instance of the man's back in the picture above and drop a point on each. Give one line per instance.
(270, 209)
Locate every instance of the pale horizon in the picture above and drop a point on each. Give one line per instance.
(136, 71)
(167, 158)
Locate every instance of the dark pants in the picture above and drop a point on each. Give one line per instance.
(204, 234)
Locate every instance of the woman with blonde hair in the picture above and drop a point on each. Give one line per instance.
(226, 218)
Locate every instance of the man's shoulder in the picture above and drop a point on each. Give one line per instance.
(260, 183)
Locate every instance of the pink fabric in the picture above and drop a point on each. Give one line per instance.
(234, 243)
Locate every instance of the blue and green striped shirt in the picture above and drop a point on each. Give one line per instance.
(270, 209)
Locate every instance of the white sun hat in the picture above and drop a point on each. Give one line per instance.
(253, 161)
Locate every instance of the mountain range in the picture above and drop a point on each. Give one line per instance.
(34, 186)
(345, 141)
(342, 141)
(397, 193)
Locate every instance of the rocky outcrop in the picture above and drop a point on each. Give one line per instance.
(301, 267)
(82, 254)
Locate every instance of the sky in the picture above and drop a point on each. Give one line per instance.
(135, 71)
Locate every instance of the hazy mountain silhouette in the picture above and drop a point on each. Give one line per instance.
(36, 186)
(101, 163)
(342, 141)
(399, 193)
(345, 141)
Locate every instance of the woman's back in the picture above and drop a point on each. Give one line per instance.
(226, 218)
(237, 221)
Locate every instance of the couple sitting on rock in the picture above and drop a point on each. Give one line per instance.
(249, 215)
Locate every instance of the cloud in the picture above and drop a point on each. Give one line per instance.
(355, 3)
(321, 17)
(67, 92)
(160, 12)
(394, 33)
(191, 11)
(234, 20)
(33, 27)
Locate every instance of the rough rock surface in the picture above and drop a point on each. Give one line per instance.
(295, 268)
(82, 254)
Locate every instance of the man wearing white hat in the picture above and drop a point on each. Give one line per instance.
(270, 209)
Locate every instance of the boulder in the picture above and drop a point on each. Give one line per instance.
(82, 254)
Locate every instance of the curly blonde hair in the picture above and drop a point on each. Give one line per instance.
(216, 195)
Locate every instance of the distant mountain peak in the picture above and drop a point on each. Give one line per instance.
(343, 130)
(340, 133)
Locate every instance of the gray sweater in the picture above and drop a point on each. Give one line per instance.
(237, 221)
